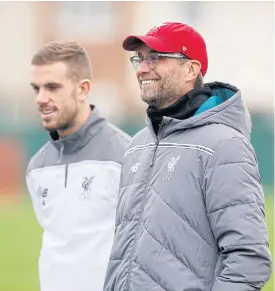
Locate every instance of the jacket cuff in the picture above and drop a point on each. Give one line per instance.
(230, 286)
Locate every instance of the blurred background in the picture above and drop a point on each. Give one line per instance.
(240, 40)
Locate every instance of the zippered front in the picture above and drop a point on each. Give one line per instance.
(61, 154)
(142, 209)
(66, 175)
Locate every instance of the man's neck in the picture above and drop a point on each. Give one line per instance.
(183, 108)
(172, 101)
(82, 119)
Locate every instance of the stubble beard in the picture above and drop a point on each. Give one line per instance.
(161, 97)
(66, 117)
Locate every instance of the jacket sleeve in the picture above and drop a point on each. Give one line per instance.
(235, 206)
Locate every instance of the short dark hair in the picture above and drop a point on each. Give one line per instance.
(69, 52)
(199, 81)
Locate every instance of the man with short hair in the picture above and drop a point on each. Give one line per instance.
(73, 179)
(190, 215)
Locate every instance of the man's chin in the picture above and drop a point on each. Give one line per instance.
(151, 101)
(54, 127)
(49, 126)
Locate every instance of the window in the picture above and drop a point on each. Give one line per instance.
(93, 21)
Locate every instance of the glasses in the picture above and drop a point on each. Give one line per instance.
(152, 59)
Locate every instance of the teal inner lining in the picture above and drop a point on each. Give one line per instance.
(219, 96)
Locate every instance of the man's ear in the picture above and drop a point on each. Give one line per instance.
(193, 70)
(84, 88)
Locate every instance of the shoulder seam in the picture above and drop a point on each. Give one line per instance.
(220, 145)
(35, 156)
(121, 133)
(113, 163)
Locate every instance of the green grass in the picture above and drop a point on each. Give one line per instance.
(20, 239)
(20, 245)
(270, 222)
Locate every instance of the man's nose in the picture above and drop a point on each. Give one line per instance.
(143, 68)
(42, 98)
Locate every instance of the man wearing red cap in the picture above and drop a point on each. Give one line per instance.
(191, 212)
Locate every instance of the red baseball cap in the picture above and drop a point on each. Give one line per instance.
(172, 37)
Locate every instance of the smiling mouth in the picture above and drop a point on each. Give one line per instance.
(146, 82)
(47, 112)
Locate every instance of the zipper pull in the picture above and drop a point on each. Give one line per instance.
(61, 153)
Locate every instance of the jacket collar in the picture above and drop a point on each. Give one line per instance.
(232, 112)
(81, 137)
(182, 109)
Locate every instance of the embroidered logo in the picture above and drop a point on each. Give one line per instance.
(44, 196)
(156, 28)
(86, 185)
(171, 167)
(134, 168)
(184, 48)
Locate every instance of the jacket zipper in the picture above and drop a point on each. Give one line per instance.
(66, 176)
(66, 166)
(142, 210)
(60, 154)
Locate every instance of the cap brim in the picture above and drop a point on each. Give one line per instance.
(132, 42)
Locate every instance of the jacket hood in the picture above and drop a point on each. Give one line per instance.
(230, 111)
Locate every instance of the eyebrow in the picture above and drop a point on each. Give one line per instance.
(47, 85)
(138, 53)
(34, 85)
(53, 84)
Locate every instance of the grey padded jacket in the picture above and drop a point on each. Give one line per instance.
(191, 209)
